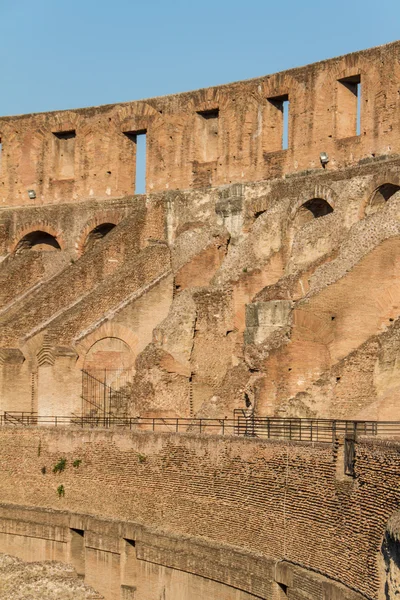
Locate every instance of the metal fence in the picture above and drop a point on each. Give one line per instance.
(296, 429)
(106, 392)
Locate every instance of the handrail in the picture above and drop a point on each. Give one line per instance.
(296, 429)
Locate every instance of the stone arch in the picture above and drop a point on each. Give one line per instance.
(380, 196)
(38, 240)
(97, 228)
(107, 330)
(310, 210)
(96, 234)
(31, 235)
(109, 353)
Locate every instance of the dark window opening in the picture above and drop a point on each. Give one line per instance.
(349, 107)
(97, 234)
(381, 195)
(64, 167)
(280, 122)
(139, 139)
(39, 241)
(130, 542)
(80, 532)
(312, 209)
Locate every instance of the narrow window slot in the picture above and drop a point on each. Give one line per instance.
(279, 123)
(348, 112)
(140, 179)
(64, 167)
(207, 135)
(138, 138)
(358, 128)
(285, 133)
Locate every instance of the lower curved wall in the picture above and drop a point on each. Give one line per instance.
(127, 561)
(188, 516)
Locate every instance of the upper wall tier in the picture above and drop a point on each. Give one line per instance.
(346, 107)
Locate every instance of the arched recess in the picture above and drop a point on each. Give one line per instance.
(312, 209)
(97, 234)
(38, 240)
(380, 196)
(107, 378)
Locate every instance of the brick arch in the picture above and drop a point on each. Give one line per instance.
(102, 217)
(107, 330)
(137, 116)
(31, 228)
(316, 191)
(392, 179)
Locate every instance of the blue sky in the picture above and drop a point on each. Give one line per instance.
(58, 54)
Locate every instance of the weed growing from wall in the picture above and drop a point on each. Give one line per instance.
(60, 466)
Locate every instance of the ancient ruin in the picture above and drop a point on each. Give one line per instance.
(254, 288)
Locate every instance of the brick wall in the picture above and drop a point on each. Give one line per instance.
(213, 136)
(284, 501)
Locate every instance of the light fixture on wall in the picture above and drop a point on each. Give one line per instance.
(31, 194)
(324, 158)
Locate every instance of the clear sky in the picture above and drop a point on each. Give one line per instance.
(58, 54)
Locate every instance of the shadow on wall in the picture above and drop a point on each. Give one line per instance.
(381, 195)
(312, 209)
(391, 564)
(98, 233)
(39, 241)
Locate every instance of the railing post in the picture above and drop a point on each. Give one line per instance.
(177, 425)
(200, 426)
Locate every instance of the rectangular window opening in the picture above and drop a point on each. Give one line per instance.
(281, 124)
(358, 126)
(139, 139)
(64, 154)
(349, 107)
(207, 135)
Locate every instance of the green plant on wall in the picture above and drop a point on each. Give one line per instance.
(76, 463)
(61, 491)
(141, 457)
(60, 466)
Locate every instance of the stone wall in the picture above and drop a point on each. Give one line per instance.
(215, 136)
(267, 501)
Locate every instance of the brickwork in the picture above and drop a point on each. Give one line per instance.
(279, 500)
(213, 136)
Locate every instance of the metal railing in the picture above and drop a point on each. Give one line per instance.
(296, 429)
(106, 392)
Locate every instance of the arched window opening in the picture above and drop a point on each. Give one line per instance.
(312, 209)
(39, 241)
(381, 196)
(98, 233)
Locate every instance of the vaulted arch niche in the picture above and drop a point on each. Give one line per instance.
(107, 378)
(97, 234)
(312, 209)
(109, 353)
(380, 196)
(39, 241)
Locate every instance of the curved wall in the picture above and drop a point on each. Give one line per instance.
(268, 502)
